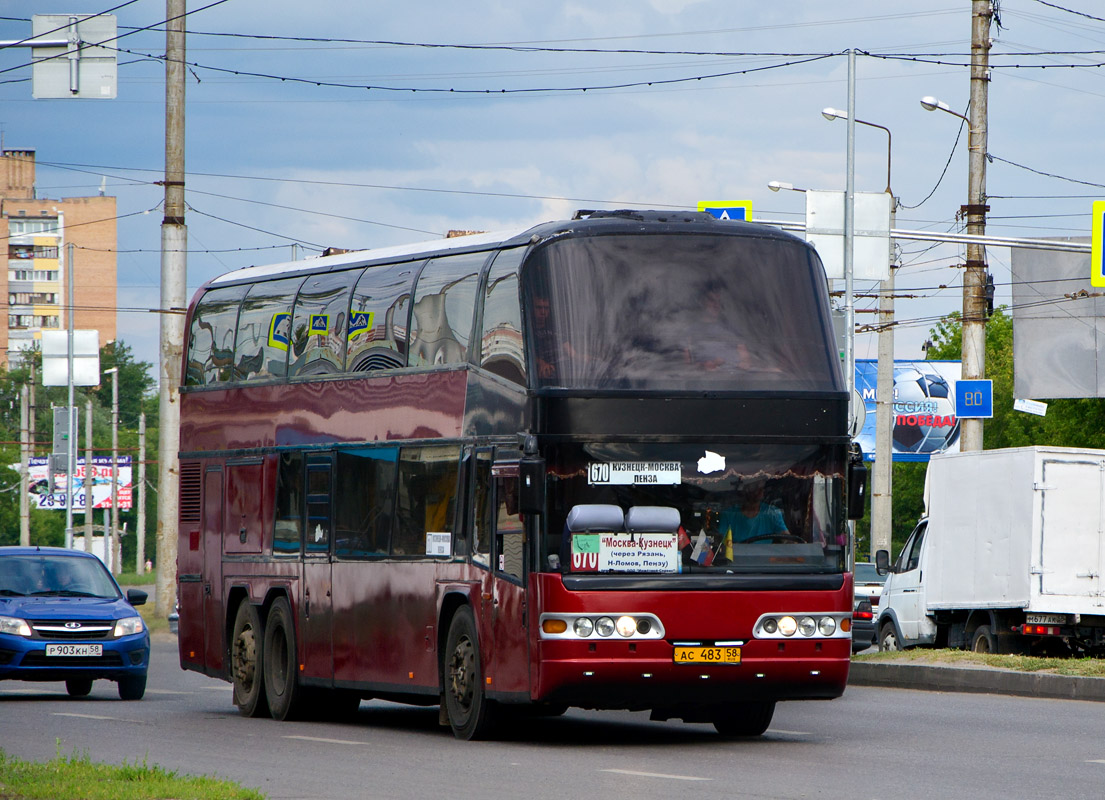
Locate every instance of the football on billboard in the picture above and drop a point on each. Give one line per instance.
(924, 412)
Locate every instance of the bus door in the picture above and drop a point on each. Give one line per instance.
(315, 605)
(509, 668)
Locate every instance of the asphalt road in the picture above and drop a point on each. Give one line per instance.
(873, 742)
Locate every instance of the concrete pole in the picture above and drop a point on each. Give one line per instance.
(140, 496)
(174, 244)
(883, 473)
(25, 461)
(849, 241)
(115, 470)
(88, 501)
(974, 276)
(70, 409)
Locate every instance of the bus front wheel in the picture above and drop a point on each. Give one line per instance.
(281, 688)
(744, 719)
(466, 704)
(246, 662)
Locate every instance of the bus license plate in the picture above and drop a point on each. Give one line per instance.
(75, 650)
(707, 655)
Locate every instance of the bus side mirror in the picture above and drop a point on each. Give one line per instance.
(531, 485)
(882, 562)
(857, 489)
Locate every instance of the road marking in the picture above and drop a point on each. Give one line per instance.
(95, 716)
(323, 740)
(788, 733)
(656, 775)
(1096, 761)
(165, 691)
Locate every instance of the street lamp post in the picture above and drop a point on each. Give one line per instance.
(882, 477)
(974, 276)
(114, 561)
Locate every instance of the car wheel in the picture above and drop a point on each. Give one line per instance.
(246, 662)
(888, 639)
(466, 704)
(281, 688)
(78, 687)
(744, 719)
(983, 641)
(132, 687)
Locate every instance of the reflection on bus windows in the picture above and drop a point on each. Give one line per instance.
(318, 328)
(445, 300)
(264, 330)
(509, 532)
(289, 504)
(211, 339)
(364, 494)
(426, 496)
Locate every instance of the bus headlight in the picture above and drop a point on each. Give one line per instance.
(583, 627)
(787, 626)
(770, 625)
(604, 626)
(626, 626)
(807, 626)
(827, 626)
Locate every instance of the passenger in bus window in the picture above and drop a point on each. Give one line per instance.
(752, 517)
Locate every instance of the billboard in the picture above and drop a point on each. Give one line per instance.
(43, 495)
(923, 415)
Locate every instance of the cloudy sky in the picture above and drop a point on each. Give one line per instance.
(360, 125)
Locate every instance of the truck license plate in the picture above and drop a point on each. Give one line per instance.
(1046, 619)
(92, 650)
(707, 655)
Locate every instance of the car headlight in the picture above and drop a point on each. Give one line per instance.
(129, 626)
(14, 626)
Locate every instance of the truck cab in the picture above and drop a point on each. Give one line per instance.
(902, 621)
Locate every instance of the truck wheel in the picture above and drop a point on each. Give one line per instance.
(246, 662)
(744, 719)
(888, 639)
(467, 705)
(983, 641)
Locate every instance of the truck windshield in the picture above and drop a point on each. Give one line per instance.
(695, 508)
(680, 312)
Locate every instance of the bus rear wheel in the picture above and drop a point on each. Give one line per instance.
(466, 704)
(281, 688)
(246, 662)
(744, 719)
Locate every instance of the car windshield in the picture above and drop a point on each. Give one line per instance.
(867, 573)
(44, 575)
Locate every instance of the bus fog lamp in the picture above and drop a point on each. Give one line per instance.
(626, 626)
(583, 627)
(787, 626)
(807, 626)
(604, 626)
(643, 626)
(770, 625)
(827, 626)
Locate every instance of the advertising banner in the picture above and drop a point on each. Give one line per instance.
(43, 495)
(923, 411)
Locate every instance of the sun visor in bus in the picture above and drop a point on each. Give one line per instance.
(651, 519)
(595, 518)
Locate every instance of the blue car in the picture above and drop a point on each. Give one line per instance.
(64, 618)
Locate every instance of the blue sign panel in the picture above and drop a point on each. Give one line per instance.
(974, 399)
(923, 419)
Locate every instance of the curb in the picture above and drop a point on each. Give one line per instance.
(980, 680)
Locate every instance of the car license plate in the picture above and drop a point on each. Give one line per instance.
(707, 655)
(74, 650)
(1046, 619)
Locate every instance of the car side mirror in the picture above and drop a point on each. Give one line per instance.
(882, 562)
(136, 597)
(857, 486)
(531, 485)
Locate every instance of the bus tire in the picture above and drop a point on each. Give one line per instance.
(744, 719)
(466, 704)
(247, 662)
(282, 690)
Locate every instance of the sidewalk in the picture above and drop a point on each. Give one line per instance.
(933, 677)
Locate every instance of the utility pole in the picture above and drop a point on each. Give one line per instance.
(974, 276)
(883, 473)
(140, 496)
(88, 483)
(25, 429)
(174, 245)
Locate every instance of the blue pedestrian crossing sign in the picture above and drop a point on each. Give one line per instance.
(974, 399)
(1097, 251)
(730, 209)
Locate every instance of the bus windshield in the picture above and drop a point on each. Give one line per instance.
(673, 312)
(666, 508)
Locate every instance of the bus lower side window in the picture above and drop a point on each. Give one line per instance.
(289, 503)
(481, 546)
(509, 533)
(426, 497)
(364, 494)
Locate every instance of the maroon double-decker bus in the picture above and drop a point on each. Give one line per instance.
(601, 463)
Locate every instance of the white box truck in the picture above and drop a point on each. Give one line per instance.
(1008, 558)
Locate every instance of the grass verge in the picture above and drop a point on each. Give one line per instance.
(1084, 667)
(77, 778)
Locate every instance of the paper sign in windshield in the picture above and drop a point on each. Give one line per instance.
(631, 473)
(620, 552)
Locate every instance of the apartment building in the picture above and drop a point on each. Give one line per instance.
(38, 232)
